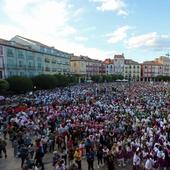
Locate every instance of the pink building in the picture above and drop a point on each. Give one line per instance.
(150, 70)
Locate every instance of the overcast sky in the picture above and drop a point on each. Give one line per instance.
(97, 28)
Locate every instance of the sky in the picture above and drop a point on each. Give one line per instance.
(95, 28)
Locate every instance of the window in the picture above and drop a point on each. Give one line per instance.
(10, 52)
(54, 70)
(54, 61)
(10, 73)
(20, 54)
(20, 63)
(47, 60)
(1, 51)
(39, 65)
(29, 64)
(0, 74)
(47, 69)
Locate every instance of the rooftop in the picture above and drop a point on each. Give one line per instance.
(119, 56)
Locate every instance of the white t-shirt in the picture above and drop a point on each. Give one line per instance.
(148, 164)
(136, 160)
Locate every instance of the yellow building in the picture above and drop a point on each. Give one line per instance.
(78, 65)
(85, 66)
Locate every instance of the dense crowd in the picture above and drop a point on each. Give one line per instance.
(115, 123)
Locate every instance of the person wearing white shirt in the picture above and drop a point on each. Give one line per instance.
(136, 161)
(148, 163)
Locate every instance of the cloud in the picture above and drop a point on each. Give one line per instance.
(150, 41)
(40, 16)
(78, 12)
(118, 35)
(117, 6)
(47, 21)
(81, 38)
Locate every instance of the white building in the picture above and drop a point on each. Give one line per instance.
(119, 61)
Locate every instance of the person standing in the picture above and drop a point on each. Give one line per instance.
(39, 154)
(136, 161)
(148, 163)
(23, 154)
(3, 147)
(78, 157)
(110, 161)
(99, 156)
(90, 159)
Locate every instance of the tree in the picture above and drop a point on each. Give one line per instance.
(72, 79)
(62, 80)
(162, 78)
(20, 84)
(4, 85)
(44, 81)
(97, 78)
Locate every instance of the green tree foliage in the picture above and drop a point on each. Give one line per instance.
(97, 78)
(162, 78)
(73, 79)
(62, 80)
(106, 78)
(20, 84)
(4, 85)
(44, 81)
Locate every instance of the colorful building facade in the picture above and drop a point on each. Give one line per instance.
(150, 70)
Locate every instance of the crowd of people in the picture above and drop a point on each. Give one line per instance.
(110, 125)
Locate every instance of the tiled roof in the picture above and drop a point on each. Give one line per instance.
(108, 61)
(129, 61)
(151, 63)
(33, 41)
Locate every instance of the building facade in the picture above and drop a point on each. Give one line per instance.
(30, 59)
(78, 65)
(87, 67)
(165, 61)
(119, 61)
(109, 66)
(150, 70)
(2, 64)
(132, 70)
